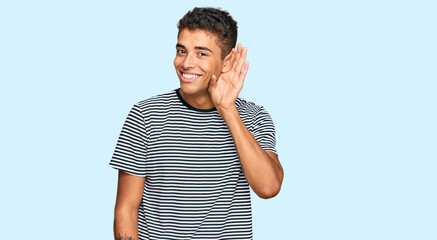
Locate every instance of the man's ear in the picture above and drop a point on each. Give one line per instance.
(228, 62)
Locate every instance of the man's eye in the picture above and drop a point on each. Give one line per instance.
(202, 54)
(180, 51)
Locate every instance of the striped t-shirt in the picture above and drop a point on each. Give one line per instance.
(195, 187)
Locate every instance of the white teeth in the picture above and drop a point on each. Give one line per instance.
(189, 75)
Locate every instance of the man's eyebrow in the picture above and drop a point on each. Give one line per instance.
(201, 48)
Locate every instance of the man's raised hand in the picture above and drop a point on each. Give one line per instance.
(224, 90)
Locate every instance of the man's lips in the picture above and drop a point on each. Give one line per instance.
(189, 77)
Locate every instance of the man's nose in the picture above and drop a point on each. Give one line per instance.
(188, 61)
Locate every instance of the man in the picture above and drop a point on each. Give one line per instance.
(186, 158)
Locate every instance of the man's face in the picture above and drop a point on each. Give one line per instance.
(198, 57)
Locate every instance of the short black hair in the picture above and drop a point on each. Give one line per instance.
(215, 21)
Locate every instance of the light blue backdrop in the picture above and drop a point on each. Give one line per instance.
(351, 86)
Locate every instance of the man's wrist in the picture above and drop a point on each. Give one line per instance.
(228, 113)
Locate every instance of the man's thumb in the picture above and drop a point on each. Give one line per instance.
(213, 81)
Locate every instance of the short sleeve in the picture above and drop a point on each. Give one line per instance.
(264, 131)
(131, 149)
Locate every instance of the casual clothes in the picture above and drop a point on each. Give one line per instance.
(195, 187)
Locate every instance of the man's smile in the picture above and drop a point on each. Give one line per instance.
(189, 77)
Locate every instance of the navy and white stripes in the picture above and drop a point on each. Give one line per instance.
(195, 187)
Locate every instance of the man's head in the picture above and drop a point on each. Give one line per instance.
(206, 38)
(215, 21)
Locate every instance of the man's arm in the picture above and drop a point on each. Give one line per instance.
(262, 169)
(129, 195)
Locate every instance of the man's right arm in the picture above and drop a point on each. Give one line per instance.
(129, 195)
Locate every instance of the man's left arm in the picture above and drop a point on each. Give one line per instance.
(262, 169)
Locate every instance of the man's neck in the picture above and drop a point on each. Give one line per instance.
(201, 101)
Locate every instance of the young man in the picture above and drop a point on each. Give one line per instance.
(186, 158)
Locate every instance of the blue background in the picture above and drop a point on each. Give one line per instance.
(351, 87)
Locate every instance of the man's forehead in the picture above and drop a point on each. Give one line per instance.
(199, 38)
(199, 31)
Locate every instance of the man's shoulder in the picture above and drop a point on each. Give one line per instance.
(248, 107)
(251, 113)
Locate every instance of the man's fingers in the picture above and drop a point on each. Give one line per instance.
(243, 73)
(237, 57)
(241, 59)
